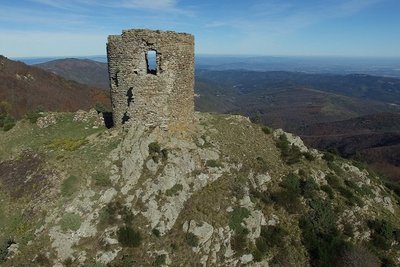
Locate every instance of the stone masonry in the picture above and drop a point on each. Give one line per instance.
(161, 95)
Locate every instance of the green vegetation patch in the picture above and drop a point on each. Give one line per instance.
(320, 235)
(129, 237)
(67, 144)
(156, 153)
(290, 153)
(192, 240)
(288, 197)
(174, 190)
(236, 218)
(69, 186)
(70, 221)
(383, 233)
(270, 237)
(212, 163)
(101, 179)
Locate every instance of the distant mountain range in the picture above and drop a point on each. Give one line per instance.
(84, 71)
(27, 88)
(388, 67)
(356, 114)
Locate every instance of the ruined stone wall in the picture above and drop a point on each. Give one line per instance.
(163, 97)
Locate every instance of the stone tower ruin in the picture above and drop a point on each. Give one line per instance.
(154, 94)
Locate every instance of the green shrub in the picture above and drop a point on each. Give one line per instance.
(320, 235)
(155, 151)
(348, 229)
(386, 262)
(333, 181)
(156, 232)
(101, 179)
(69, 186)
(4, 245)
(308, 187)
(174, 190)
(212, 163)
(8, 123)
(309, 156)
(273, 235)
(70, 221)
(336, 168)
(352, 199)
(257, 255)
(288, 197)
(239, 242)
(382, 233)
(128, 237)
(160, 260)
(328, 156)
(261, 165)
(192, 240)
(261, 244)
(33, 116)
(266, 130)
(290, 153)
(328, 190)
(236, 218)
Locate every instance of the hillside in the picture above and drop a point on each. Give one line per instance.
(373, 138)
(84, 71)
(359, 86)
(26, 88)
(229, 193)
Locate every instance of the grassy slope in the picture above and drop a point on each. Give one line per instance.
(240, 143)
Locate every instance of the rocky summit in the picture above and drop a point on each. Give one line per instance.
(228, 193)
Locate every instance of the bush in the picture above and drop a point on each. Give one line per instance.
(160, 260)
(174, 190)
(128, 237)
(4, 245)
(34, 115)
(290, 153)
(320, 235)
(212, 163)
(69, 186)
(273, 235)
(192, 240)
(261, 165)
(239, 241)
(156, 232)
(382, 233)
(328, 156)
(336, 168)
(70, 221)
(266, 130)
(328, 190)
(288, 198)
(308, 188)
(156, 153)
(8, 123)
(309, 156)
(101, 179)
(333, 181)
(236, 218)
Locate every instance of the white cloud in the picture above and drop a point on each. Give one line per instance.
(157, 5)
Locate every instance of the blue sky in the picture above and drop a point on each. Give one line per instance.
(361, 28)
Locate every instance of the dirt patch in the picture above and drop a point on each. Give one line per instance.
(24, 177)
